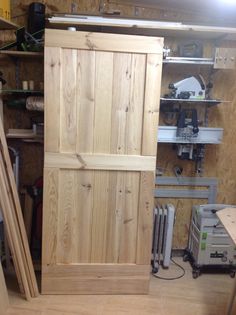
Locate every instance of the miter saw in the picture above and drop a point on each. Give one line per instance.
(193, 87)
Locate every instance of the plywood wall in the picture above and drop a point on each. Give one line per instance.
(219, 161)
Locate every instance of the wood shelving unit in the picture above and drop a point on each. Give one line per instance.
(21, 54)
(21, 92)
(7, 25)
(24, 134)
(189, 61)
(196, 101)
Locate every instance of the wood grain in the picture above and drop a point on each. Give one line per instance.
(68, 115)
(84, 161)
(228, 218)
(101, 144)
(96, 279)
(85, 100)
(50, 216)
(4, 301)
(99, 41)
(53, 85)
(13, 233)
(94, 180)
(12, 213)
(67, 229)
(151, 104)
(28, 214)
(145, 218)
(85, 139)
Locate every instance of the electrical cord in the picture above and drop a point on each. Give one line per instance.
(172, 278)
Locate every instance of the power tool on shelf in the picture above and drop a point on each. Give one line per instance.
(187, 130)
(192, 87)
(187, 125)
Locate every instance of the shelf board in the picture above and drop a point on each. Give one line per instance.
(21, 54)
(180, 100)
(7, 25)
(190, 61)
(144, 26)
(24, 134)
(20, 92)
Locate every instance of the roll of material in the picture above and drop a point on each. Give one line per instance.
(25, 85)
(31, 85)
(35, 103)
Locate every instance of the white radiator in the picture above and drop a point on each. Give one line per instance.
(164, 218)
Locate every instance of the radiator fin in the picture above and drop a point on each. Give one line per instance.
(164, 217)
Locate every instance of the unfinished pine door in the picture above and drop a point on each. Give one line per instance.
(101, 115)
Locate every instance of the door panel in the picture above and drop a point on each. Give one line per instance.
(101, 117)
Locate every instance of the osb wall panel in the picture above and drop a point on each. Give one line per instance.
(219, 159)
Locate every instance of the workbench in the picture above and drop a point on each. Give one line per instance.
(228, 218)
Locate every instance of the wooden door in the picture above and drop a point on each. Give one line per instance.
(101, 112)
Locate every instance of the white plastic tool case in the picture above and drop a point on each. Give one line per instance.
(209, 243)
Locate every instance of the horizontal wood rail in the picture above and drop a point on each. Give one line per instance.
(100, 161)
(99, 41)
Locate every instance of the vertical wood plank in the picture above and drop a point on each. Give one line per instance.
(128, 239)
(103, 101)
(120, 108)
(85, 138)
(50, 216)
(115, 215)
(85, 100)
(102, 131)
(4, 302)
(67, 228)
(120, 104)
(68, 117)
(84, 207)
(145, 218)
(28, 214)
(99, 219)
(128, 229)
(135, 105)
(151, 104)
(52, 88)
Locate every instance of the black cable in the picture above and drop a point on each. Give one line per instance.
(174, 278)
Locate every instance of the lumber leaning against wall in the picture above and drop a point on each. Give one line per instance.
(14, 224)
(102, 96)
(4, 302)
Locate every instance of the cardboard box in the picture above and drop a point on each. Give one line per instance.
(5, 9)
